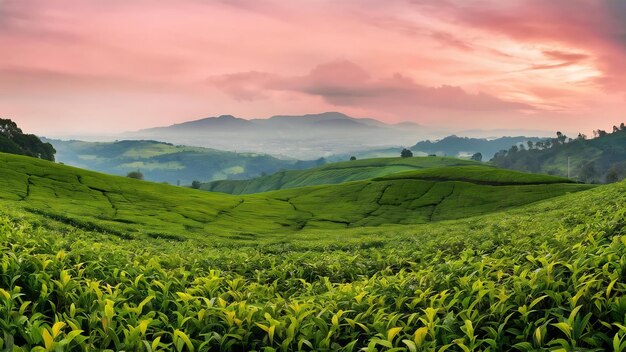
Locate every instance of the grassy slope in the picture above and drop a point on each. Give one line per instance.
(331, 174)
(477, 174)
(128, 207)
(171, 163)
(544, 276)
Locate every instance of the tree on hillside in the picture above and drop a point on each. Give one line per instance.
(616, 172)
(405, 153)
(14, 141)
(530, 145)
(599, 133)
(352, 158)
(195, 184)
(135, 174)
(477, 157)
(588, 172)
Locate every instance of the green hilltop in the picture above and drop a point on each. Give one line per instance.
(333, 173)
(127, 207)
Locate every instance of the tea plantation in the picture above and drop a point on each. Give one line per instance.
(94, 262)
(332, 174)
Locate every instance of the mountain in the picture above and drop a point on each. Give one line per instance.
(165, 162)
(304, 136)
(601, 159)
(465, 146)
(333, 173)
(124, 206)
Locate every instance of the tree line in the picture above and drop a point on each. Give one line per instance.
(596, 160)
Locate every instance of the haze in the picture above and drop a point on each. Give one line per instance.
(73, 66)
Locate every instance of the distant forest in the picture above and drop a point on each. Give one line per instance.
(601, 159)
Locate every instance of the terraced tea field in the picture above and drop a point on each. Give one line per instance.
(332, 174)
(524, 263)
(127, 207)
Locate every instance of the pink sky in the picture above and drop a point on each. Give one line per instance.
(75, 66)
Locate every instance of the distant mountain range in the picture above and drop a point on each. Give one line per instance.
(303, 137)
(165, 162)
(452, 145)
(465, 146)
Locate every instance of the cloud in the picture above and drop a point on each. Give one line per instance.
(593, 30)
(344, 83)
(449, 40)
(244, 85)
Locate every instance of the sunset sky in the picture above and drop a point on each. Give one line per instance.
(76, 66)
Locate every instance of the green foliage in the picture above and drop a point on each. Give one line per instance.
(14, 141)
(331, 174)
(479, 175)
(135, 174)
(405, 153)
(590, 160)
(130, 208)
(546, 276)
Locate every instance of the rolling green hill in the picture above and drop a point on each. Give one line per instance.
(331, 174)
(164, 162)
(126, 207)
(601, 159)
(542, 276)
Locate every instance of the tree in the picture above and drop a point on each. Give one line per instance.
(615, 129)
(622, 127)
(599, 133)
(613, 175)
(195, 184)
(530, 145)
(135, 174)
(477, 157)
(406, 153)
(352, 158)
(14, 141)
(588, 172)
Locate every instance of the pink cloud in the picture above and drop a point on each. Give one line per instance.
(518, 63)
(344, 84)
